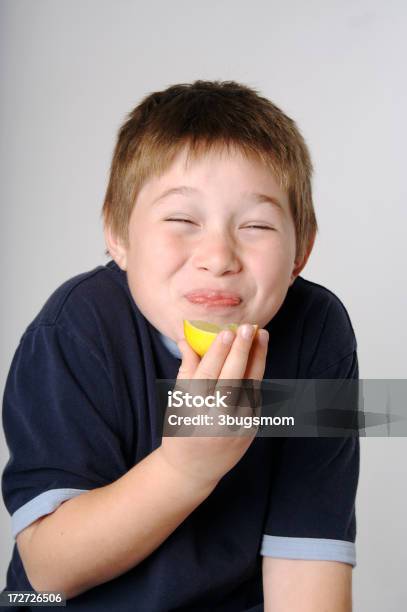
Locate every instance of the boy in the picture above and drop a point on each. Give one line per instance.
(208, 215)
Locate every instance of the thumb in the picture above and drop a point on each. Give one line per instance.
(190, 360)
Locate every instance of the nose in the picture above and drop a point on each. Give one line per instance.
(217, 254)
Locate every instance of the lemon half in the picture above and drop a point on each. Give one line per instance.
(201, 334)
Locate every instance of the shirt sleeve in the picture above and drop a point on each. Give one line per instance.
(60, 424)
(311, 511)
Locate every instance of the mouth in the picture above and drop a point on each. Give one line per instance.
(209, 297)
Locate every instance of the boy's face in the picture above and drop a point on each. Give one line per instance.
(215, 248)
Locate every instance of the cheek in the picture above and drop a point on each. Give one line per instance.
(272, 260)
(283, 254)
(270, 277)
(162, 253)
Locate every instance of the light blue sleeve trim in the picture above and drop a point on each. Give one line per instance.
(318, 549)
(42, 504)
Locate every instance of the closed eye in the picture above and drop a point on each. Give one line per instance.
(265, 227)
(260, 227)
(181, 220)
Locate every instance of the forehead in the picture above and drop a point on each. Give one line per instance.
(224, 173)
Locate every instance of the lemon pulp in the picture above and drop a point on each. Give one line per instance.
(201, 334)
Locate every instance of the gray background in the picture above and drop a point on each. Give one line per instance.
(71, 70)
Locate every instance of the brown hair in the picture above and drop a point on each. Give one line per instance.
(203, 116)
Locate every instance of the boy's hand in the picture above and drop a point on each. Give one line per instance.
(205, 460)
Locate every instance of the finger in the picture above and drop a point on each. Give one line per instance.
(256, 363)
(212, 362)
(190, 361)
(236, 361)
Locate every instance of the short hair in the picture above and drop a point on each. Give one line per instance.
(204, 116)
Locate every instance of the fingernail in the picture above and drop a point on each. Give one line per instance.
(227, 336)
(246, 331)
(263, 336)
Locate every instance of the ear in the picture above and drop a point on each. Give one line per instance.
(116, 247)
(300, 265)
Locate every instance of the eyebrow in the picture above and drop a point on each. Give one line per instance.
(185, 190)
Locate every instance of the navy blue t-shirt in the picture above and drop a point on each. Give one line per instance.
(80, 410)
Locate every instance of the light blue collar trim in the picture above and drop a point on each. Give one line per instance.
(170, 345)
